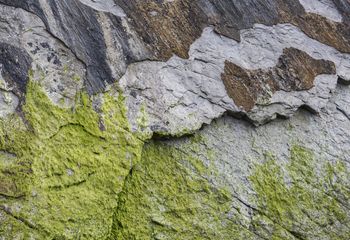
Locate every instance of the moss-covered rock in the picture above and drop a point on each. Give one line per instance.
(81, 173)
(168, 196)
(68, 166)
(302, 202)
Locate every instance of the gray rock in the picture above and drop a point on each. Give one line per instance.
(182, 95)
(29, 48)
(326, 8)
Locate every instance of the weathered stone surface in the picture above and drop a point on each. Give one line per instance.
(174, 92)
(326, 8)
(153, 119)
(28, 49)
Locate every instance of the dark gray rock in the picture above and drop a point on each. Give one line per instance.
(16, 64)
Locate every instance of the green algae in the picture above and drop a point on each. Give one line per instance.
(69, 165)
(301, 201)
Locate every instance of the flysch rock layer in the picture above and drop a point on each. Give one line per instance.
(174, 119)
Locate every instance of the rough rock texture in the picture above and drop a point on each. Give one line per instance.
(174, 119)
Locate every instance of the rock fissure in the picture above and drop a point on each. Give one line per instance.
(22, 220)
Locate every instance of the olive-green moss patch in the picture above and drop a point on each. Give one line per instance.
(68, 166)
(167, 196)
(302, 202)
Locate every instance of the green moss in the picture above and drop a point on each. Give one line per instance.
(167, 196)
(142, 119)
(12, 228)
(310, 206)
(76, 78)
(69, 164)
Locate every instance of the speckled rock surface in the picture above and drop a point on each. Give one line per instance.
(174, 119)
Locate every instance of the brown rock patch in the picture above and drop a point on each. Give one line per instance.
(295, 71)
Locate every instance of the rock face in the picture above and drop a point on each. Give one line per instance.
(174, 119)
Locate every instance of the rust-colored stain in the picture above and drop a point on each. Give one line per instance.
(295, 71)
